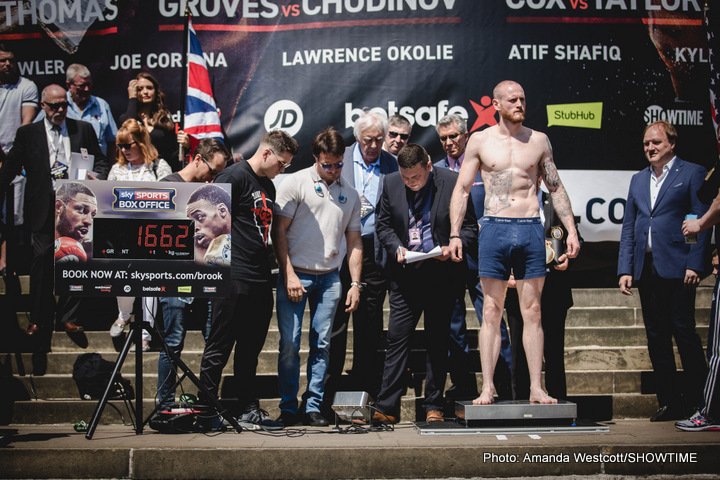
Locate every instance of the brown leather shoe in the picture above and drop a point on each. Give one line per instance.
(379, 417)
(72, 327)
(434, 416)
(31, 329)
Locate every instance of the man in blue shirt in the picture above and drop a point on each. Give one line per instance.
(82, 105)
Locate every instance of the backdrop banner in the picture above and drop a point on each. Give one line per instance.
(595, 72)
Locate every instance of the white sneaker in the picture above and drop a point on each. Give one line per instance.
(117, 328)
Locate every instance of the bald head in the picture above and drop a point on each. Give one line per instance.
(502, 88)
(509, 101)
(54, 103)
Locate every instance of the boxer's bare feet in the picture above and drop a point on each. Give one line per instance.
(539, 396)
(486, 397)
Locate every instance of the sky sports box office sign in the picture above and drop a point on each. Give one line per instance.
(162, 239)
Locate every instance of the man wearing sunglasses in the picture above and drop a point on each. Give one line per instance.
(44, 150)
(243, 317)
(398, 133)
(318, 218)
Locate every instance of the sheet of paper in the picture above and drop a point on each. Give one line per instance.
(411, 257)
(80, 165)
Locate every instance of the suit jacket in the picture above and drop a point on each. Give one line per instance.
(677, 197)
(388, 164)
(30, 151)
(394, 212)
(477, 196)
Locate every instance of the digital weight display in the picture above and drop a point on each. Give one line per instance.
(143, 239)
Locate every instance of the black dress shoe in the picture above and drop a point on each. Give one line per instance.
(314, 419)
(288, 419)
(667, 413)
(72, 327)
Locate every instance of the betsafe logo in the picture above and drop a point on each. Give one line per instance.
(577, 115)
(284, 115)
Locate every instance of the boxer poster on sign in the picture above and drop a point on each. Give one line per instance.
(141, 238)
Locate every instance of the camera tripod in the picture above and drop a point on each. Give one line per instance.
(135, 337)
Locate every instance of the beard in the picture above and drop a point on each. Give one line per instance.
(513, 117)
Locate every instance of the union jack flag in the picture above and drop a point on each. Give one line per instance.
(201, 114)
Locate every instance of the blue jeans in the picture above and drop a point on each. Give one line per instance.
(323, 293)
(175, 311)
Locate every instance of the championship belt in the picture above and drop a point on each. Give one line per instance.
(555, 245)
(218, 252)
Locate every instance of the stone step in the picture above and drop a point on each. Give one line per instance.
(583, 297)
(576, 336)
(598, 407)
(579, 382)
(595, 358)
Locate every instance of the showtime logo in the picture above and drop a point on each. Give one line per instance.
(425, 116)
(653, 113)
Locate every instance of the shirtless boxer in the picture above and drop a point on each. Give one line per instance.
(512, 159)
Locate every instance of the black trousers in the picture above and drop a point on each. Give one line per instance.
(430, 289)
(366, 373)
(668, 308)
(554, 310)
(240, 320)
(464, 384)
(42, 292)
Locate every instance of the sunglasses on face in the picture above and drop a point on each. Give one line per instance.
(403, 136)
(452, 137)
(125, 146)
(213, 172)
(331, 166)
(56, 106)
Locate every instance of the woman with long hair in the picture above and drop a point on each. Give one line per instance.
(136, 160)
(146, 104)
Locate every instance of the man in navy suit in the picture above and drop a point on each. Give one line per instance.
(414, 217)
(365, 166)
(43, 149)
(666, 267)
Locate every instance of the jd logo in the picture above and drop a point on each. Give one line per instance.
(284, 115)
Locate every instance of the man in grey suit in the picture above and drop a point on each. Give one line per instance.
(365, 166)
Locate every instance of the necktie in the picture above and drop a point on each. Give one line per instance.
(416, 220)
(58, 144)
(59, 167)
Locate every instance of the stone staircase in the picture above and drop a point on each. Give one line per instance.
(608, 368)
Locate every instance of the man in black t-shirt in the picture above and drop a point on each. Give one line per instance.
(243, 318)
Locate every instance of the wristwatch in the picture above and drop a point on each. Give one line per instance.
(359, 285)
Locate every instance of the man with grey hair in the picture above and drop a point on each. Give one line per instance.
(365, 166)
(82, 105)
(398, 133)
